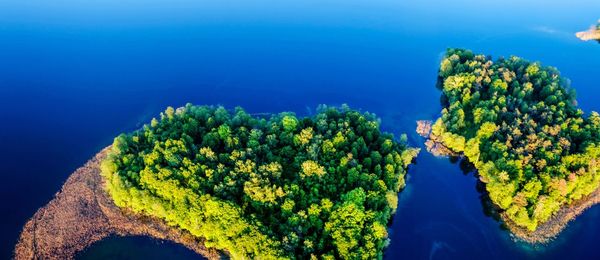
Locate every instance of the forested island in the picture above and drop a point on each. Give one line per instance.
(518, 123)
(592, 34)
(222, 182)
(279, 187)
(82, 213)
(326, 186)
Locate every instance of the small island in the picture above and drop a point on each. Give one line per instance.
(518, 123)
(592, 34)
(231, 183)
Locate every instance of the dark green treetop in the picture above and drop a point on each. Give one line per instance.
(280, 187)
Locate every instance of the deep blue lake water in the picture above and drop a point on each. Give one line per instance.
(74, 74)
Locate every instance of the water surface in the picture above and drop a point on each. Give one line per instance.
(73, 74)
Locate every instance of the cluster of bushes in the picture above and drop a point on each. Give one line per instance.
(279, 187)
(518, 123)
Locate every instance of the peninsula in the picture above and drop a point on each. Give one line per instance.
(592, 34)
(82, 213)
(222, 182)
(517, 122)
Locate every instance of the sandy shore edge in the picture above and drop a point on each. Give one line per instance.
(592, 34)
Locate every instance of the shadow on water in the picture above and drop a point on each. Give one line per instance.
(136, 247)
(489, 209)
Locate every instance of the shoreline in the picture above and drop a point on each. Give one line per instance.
(546, 231)
(433, 144)
(592, 34)
(82, 200)
(550, 229)
(82, 213)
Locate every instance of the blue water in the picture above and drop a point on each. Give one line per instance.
(73, 74)
(142, 248)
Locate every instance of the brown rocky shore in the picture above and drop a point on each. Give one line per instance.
(433, 143)
(550, 229)
(82, 213)
(546, 231)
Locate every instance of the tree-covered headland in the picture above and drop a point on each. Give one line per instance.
(518, 123)
(279, 187)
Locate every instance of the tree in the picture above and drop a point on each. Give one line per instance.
(289, 123)
(517, 122)
(315, 187)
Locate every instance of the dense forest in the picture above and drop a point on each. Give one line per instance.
(518, 123)
(279, 187)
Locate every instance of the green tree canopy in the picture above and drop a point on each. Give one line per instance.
(518, 123)
(279, 187)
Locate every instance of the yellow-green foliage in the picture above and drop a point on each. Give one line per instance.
(311, 168)
(319, 187)
(517, 122)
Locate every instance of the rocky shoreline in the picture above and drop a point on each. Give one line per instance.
(433, 143)
(82, 213)
(546, 231)
(593, 34)
(550, 229)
